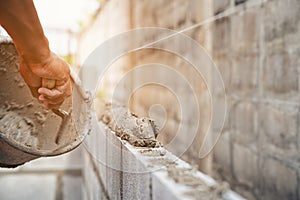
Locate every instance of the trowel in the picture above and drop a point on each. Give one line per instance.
(84, 97)
(64, 115)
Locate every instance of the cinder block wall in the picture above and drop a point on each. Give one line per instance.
(113, 169)
(257, 51)
(176, 15)
(117, 16)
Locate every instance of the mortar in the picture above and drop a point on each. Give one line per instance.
(27, 131)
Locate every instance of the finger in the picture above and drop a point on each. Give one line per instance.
(60, 91)
(66, 87)
(50, 94)
(52, 101)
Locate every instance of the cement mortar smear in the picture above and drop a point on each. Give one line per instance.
(138, 131)
(20, 129)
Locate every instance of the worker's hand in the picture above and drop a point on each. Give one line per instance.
(36, 75)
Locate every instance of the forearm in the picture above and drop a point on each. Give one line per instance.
(37, 63)
(20, 20)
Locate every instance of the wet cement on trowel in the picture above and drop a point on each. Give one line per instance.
(138, 131)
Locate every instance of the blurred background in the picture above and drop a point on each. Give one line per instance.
(254, 44)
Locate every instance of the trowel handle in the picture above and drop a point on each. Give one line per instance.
(61, 113)
(48, 83)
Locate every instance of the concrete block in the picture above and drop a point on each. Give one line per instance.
(279, 130)
(244, 121)
(94, 173)
(102, 178)
(95, 161)
(237, 2)
(280, 74)
(133, 180)
(290, 42)
(245, 31)
(113, 182)
(144, 8)
(224, 64)
(92, 186)
(227, 126)
(84, 192)
(220, 5)
(221, 35)
(136, 177)
(222, 154)
(281, 18)
(298, 183)
(178, 180)
(97, 190)
(279, 180)
(174, 12)
(28, 186)
(72, 187)
(100, 156)
(244, 74)
(163, 185)
(95, 150)
(230, 103)
(245, 166)
(91, 142)
(88, 173)
(160, 191)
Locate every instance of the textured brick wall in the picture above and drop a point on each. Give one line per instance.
(176, 15)
(114, 169)
(257, 51)
(117, 16)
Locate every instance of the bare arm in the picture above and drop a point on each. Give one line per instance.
(37, 62)
(20, 20)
